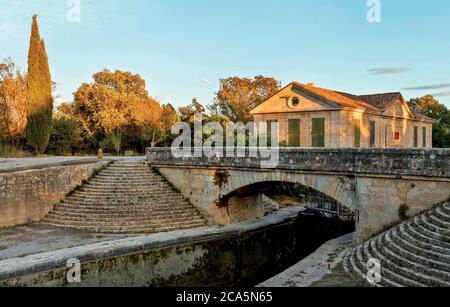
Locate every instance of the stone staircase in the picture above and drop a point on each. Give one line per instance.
(125, 198)
(413, 254)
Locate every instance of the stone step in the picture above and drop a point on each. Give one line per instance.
(134, 208)
(410, 270)
(125, 213)
(420, 227)
(441, 214)
(129, 188)
(433, 249)
(148, 193)
(130, 172)
(125, 175)
(424, 235)
(121, 198)
(436, 220)
(430, 266)
(123, 167)
(114, 183)
(124, 230)
(414, 247)
(125, 184)
(391, 270)
(120, 223)
(129, 179)
(427, 223)
(446, 208)
(125, 170)
(350, 266)
(113, 180)
(123, 205)
(389, 278)
(125, 220)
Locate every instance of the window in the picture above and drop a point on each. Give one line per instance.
(295, 101)
(424, 137)
(294, 133)
(357, 133)
(270, 124)
(416, 137)
(372, 134)
(318, 132)
(397, 136)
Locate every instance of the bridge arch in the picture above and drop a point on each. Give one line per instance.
(339, 188)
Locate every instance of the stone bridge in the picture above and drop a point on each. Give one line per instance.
(373, 183)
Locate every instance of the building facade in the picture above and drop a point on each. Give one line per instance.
(309, 116)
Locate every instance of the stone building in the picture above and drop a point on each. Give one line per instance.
(309, 116)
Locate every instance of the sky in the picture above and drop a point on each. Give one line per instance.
(182, 48)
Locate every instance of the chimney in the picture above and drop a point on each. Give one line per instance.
(311, 84)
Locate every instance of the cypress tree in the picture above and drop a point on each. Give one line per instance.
(40, 100)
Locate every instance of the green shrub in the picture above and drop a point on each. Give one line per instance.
(64, 134)
(403, 212)
(10, 151)
(112, 143)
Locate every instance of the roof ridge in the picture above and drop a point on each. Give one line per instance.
(387, 93)
(356, 99)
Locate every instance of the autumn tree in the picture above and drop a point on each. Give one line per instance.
(169, 118)
(187, 113)
(431, 107)
(13, 108)
(39, 93)
(238, 96)
(117, 106)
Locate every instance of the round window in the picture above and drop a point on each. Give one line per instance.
(295, 101)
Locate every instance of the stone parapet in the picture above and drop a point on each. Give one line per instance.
(397, 162)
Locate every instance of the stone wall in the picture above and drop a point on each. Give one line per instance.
(28, 195)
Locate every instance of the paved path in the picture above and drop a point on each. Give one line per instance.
(20, 164)
(21, 241)
(314, 267)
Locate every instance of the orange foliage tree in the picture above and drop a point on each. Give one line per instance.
(13, 103)
(238, 96)
(117, 103)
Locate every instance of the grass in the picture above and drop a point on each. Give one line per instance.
(338, 278)
(9, 151)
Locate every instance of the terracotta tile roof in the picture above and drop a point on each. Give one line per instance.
(339, 98)
(375, 102)
(421, 116)
(382, 101)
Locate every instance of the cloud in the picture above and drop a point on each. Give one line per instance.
(428, 87)
(206, 81)
(389, 70)
(442, 94)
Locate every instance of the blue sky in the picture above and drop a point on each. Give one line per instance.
(183, 47)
